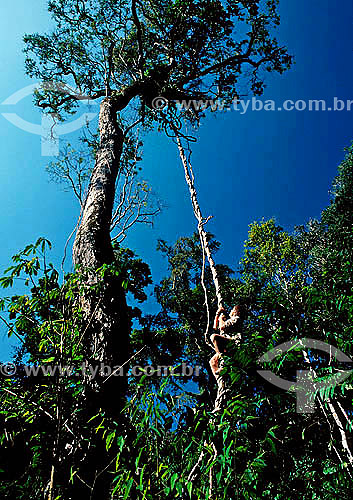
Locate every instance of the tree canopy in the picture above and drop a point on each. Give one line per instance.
(173, 49)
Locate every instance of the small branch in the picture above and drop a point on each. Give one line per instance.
(210, 487)
(342, 432)
(192, 476)
(11, 328)
(141, 61)
(336, 419)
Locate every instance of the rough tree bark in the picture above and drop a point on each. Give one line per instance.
(106, 323)
(92, 247)
(107, 326)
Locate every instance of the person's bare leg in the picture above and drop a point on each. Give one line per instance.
(214, 364)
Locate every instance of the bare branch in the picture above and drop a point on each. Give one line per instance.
(141, 59)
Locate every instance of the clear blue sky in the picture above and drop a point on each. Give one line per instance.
(259, 164)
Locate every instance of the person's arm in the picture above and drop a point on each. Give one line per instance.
(219, 313)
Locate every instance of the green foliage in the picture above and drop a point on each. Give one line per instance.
(42, 402)
(136, 273)
(293, 286)
(176, 49)
(168, 443)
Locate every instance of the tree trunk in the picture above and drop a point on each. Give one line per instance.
(106, 322)
(92, 247)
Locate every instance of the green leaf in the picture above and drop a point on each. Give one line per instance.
(173, 480)
(109, 439)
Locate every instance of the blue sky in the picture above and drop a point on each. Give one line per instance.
(248, 166)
